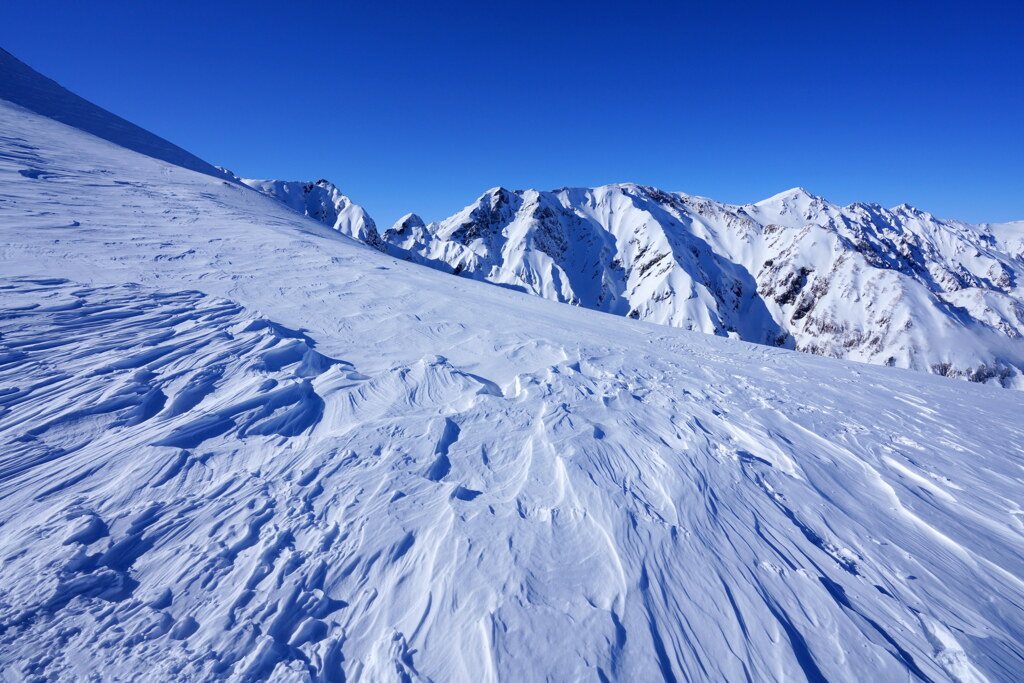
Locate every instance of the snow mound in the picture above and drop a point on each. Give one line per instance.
(194, 491)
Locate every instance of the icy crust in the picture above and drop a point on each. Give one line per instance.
(192, 491)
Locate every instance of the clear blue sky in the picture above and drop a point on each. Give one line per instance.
(423, 106)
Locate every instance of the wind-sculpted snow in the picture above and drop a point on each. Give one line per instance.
(237, 444)
(192, 490)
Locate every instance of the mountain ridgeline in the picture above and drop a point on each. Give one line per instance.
(895, 287)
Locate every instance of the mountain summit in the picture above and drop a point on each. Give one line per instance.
(323, 202)
(894, 287)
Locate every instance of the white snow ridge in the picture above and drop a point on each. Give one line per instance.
(238, 444)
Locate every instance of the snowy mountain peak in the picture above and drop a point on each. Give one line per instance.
(795, 270)
(796, 201)
(409, 220)
(409, 228)
(323, 202)
(908, 210)
(799, 192)
(500, 192)
(790, 195)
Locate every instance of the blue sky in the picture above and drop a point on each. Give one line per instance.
(423, 106)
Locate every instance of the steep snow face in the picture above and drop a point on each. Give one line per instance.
(885, 286)
(323, 202)
(235, 443)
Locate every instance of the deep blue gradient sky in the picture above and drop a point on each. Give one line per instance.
(423, 106)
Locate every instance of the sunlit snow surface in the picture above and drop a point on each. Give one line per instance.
(234, 443)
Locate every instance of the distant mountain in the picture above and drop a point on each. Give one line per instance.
(895, 287)
(324, 202)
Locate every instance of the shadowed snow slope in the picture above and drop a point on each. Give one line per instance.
(236, 443)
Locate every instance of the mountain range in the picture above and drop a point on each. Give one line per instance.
(896, 287)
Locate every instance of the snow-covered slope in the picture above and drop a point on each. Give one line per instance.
(885, 286)
(324, 202)
(235, 443)
(22, 85)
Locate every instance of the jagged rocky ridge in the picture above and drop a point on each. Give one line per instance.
(895, 287)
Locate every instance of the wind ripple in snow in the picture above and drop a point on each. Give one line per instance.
(195, 491)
